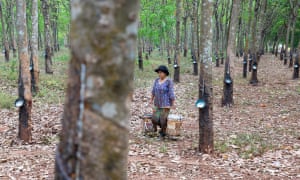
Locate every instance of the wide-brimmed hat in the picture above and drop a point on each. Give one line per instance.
(163, 69)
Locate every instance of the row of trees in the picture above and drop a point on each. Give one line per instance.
(203, 28)
(28, 27)
(239, 28)
(261, 25)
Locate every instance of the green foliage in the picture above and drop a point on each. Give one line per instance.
(246, 145)
(7, 101)
(9, 70)
(250, 145)
(157, 21)
(221, 147)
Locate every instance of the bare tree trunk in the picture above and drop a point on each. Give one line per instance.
(24, 75)
(4, 36)
(12, 25)
(185, 41)
(34, 59)
(47, 37)
(254, 53)
(248, 49)
(296, 67)
(140, 54)
(206, 139)
(54, 20)
(287, 42)
(194, 37)
(227, 99)
(177, 48)
(94, 137)
(40, 38)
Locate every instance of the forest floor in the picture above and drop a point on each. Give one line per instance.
(257, 138)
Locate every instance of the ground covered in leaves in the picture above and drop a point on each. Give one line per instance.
(257, 138)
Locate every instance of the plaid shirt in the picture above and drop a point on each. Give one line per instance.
(163, 93)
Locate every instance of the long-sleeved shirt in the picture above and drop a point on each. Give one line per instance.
(163, 93)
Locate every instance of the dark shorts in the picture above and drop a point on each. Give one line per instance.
(160, 118)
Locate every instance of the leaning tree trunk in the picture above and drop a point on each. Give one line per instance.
(24, 88)
(177, 45)
(4, 36)
(47, 37)
(227, 99)
(206, 139)
(94, 137)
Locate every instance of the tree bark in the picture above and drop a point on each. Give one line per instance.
(254, 53)
(24, 89)
(4, 35)
(47, 37)
(194, 38)
(140, 54)
(54, 20)
(12, 25)
(227, 99)
(94, 138)
(287, 42)
(34, 59)
(177, 48)
(296, 67)
(185, 41)
(206, 139)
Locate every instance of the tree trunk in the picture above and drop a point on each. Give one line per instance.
(140, 54)
(287, 42)
(24, 89)
(185, 41)
(227, 99)
(4, 36)
(194, 38)
(248, 36)
(217, 30)
(94, 138)
(169, 53)
(54, 20)
(206, 139)
(177, 48)
(40, 38)
(12, 25)
(261, 27)
(34, 61)
(245, 63)
(254, 54)
(296, 67)
(47, 37)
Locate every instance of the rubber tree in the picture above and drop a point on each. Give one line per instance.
(4, 34)
(206, 139)
(253, 44)
(34, 58)
(24, 101)
(227, 99)
(194, 37)
(47, 36)
(177, 43)
(12, 25)
(95, 128)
